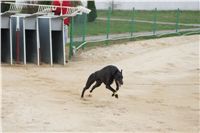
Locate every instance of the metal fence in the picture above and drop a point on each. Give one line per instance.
(116, 24)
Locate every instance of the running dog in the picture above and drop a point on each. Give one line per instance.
(106, 75)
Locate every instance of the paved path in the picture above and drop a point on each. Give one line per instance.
(145, 21)
(128, 35)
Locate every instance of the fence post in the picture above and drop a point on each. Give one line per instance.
(84, 29)
(155, 22)
(133, 22)
(108, 24)
(177, 19)
(71, 38)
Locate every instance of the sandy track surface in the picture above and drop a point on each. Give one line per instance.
(160, 91)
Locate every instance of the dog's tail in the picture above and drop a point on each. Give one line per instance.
(89, 82)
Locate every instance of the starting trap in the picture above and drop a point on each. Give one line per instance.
(34, 38)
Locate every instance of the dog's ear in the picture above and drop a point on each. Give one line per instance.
(121, 71)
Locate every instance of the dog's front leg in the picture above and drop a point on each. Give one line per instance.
(111, 89)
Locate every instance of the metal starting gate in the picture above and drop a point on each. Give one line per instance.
(34, 38)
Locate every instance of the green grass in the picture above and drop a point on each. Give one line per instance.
(167, 16)
(99, 27)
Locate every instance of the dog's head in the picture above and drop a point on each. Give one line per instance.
(119, 78)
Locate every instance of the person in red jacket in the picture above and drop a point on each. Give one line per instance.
(62, 11)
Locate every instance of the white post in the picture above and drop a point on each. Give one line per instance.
(64, 40)
(61, 4)
(11, 55)
(38, 42)
(50, 35)
(24, 40)
(17, 25)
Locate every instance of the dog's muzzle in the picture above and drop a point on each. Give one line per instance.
(120, 83)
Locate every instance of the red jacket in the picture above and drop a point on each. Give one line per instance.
(64, 10)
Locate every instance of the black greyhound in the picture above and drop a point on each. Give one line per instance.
(106, 75)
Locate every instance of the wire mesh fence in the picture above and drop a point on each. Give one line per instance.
(121, 24)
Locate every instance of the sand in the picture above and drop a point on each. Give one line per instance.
(160, 91)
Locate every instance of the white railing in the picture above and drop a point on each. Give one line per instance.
(45, 9)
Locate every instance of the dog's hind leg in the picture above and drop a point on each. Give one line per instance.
(98, 83)
(90, 81)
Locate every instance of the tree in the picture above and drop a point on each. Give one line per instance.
(4, 7)
(113, 5)
(76, 3)
(93, 14)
